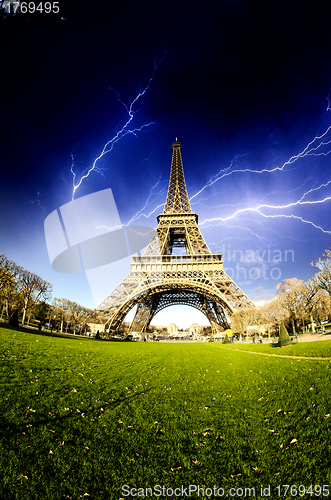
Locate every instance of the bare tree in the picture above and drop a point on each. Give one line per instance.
(277, 313)
(242, 318)
(31, 289)
(324, 275)
(290, 295)
(78, 315)
(9, 273)
(61, 308)
(309, 294)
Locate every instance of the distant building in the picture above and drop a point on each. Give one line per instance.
(94, 327)
(195, 328)
(172, 329)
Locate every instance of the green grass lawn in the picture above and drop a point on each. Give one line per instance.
(81, 418)
(320, 348)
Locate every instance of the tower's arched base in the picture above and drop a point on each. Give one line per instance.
(150, 305)
(158, 282)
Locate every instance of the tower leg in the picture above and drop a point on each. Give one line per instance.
(144, 314)
(215, 315)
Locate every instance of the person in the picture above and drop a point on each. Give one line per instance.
(260, 339)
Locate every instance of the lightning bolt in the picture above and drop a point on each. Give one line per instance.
(124, 131)
(208, 207)
(275, 207)
(139, 213)
(249, 230)
(319, 146)
(328, 108)
(36, 200)
(314, 189)
(313, 148)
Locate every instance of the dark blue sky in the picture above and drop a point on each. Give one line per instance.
(243, 85)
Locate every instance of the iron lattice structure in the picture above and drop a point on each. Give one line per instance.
(159, 279)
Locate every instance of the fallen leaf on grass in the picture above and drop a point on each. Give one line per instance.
(207, 431)
(21, 476)
(175, 468)
(293, 441)
(235, 475)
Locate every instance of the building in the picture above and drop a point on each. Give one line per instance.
(172, 329)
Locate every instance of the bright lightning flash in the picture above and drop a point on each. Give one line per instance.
(313, 148)
(125, 130)
(259, 209)
(319, 146)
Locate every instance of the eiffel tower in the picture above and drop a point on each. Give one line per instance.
(159, 279)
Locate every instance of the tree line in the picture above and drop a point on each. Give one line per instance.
(27, 299)
(301, 305)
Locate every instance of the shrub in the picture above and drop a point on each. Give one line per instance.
(284, 338)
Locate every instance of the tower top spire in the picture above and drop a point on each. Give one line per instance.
(177, 197)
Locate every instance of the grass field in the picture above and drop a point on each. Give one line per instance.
(321, 348)
(82, 418)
